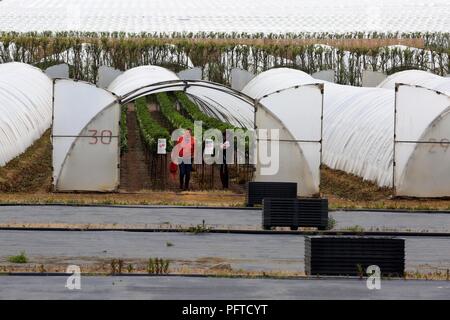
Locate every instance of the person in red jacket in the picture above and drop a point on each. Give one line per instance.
(186, 155)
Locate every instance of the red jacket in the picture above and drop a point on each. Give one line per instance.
(187, 144)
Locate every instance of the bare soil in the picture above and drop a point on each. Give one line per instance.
(27, 179)
(30, 171)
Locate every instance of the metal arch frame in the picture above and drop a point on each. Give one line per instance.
(394, 162)
(258, 104)
(187, 83)
(320, 86)
(116, 101)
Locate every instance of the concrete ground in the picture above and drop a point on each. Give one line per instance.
(252, 252)
(175, 288)
(216, 218)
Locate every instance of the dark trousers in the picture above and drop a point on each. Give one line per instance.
(224, 177)
(185, 175)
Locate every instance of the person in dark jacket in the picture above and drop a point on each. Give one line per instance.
(224, 175)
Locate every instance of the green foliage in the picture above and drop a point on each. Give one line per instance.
(150, 130)
(198, 229)
(158, 266)
(197, 115)
(175, 119)
(123, 130)
(20, 258)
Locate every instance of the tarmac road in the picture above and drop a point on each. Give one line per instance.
(174, 288)
(213, 217)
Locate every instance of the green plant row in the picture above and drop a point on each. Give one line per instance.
(150, 130)
(197, 115)
(175, 119)
(123, 130)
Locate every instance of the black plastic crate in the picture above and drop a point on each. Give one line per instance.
(295, 213)
(348, 255)
(257, 191)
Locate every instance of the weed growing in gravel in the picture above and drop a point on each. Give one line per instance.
(331, 223)
(130, 268)
(20, 258)
(158, 266)
(116, 266)
(356, 228)
(200, 228)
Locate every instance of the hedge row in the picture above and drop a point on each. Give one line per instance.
(123, 130)
(150, 130)
(216, 54)
(197, 115)
(171, 114)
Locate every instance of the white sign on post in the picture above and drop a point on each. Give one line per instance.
(209, 146)
(162, 145)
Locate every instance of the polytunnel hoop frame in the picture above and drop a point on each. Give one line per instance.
(187, 83)
(260, 105)
(318, 85)
(116, 101)
(418, 142)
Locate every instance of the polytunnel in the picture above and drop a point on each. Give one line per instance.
(358, 128)
(229, 105)
(25, 108)
(86, 122)
(358, 131)
(419, 78)
(422, 133)
(292, 102)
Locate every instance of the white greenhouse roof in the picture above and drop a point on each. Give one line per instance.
(418, 78)
(358, 124)
(276, 79)
(251, 16)
(25, 108)
(230, 105)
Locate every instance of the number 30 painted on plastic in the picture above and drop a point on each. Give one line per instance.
(105, 136)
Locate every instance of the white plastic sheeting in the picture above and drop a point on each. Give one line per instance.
(140, 77)
(191, 74)
(357, 123)
(250, 16)
(358, 128)
(291, 101)
(297, 113)
(86, 122)
(58, 71)
(325, 75)
(240, 78)
(85, 137)
(25, 108)
(358, 131)
(372, 79)
(106, 75)
(230, 105)
(422, 142)
(419, 78)
(277, 79)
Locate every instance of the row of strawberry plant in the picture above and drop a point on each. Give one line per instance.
(197, 115)
(150, 130)
(123, 130)
(175, 119)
